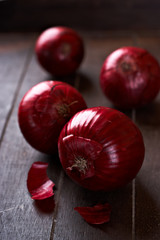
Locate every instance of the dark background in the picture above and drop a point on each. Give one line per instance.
(31, 15)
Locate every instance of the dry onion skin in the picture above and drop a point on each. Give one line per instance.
(130, 77)
(97, 214)
(101, 149)
(39, 185)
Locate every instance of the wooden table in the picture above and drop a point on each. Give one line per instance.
(135, 208)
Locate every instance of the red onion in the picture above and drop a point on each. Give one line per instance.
(101, 149)
(97, 214)
(59, 50)
(38, 183)
(130, 77)
(44, 110)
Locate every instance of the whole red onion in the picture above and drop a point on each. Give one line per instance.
(44, 110)
(59, 50)
(101, 148)
(130, 77)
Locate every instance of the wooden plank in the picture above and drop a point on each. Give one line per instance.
(69, 225)
(14, 54)
(147, 208)
(21, 217)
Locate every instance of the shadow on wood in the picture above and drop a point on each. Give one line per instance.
(45, 206)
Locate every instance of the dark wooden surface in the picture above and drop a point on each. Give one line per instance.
(135, 208)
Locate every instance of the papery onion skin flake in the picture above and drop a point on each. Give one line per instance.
(130, 77)
(39, 185)
(44, 110)
(97, 214)
(101, 149)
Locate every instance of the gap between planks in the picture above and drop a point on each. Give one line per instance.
(133, 117)
(60, 184)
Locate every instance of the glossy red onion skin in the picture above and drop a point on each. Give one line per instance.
(41, 115)
(130, 87)
(121, 154)
(59, 50)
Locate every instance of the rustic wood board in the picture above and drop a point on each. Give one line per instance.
(21, 217)
(14, 56)
(135, 208)
(147, 199)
